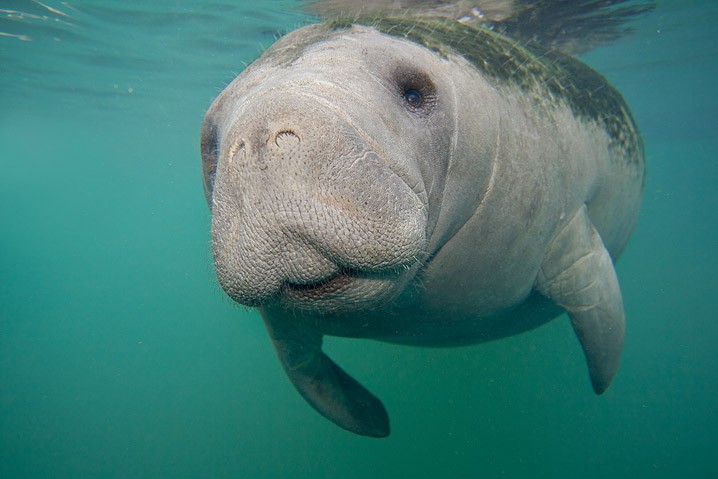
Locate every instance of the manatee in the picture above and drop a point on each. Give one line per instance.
(419, 180)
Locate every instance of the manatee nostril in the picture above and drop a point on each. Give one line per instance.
(236, 149)
(286, 139)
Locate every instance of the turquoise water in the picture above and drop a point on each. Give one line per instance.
(121, 357)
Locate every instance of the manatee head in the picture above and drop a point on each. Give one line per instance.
(323, 164)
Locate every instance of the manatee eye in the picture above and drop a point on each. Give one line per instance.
(413, 97)
(416, 89)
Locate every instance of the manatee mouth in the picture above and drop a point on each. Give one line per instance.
(319, 289)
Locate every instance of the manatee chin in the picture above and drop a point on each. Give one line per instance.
(345, 292)
(342, 290)
(338, 290)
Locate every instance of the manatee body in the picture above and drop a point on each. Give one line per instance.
(423, 182)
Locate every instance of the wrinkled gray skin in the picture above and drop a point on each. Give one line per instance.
(338, 208)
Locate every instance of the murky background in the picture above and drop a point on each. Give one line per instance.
(121, 357)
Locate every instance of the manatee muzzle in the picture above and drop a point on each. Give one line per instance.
(306, 208)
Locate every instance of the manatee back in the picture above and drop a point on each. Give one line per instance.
(546, 75)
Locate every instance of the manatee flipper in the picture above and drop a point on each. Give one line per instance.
(336, 395)
(577, 274)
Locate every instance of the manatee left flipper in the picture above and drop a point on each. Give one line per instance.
(323, 384)
(577, 273)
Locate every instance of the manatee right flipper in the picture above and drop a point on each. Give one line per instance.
(577, 274)
(324, 385)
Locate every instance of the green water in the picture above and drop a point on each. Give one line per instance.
(121, 357)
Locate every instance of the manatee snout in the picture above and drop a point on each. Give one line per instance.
(304, 210)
